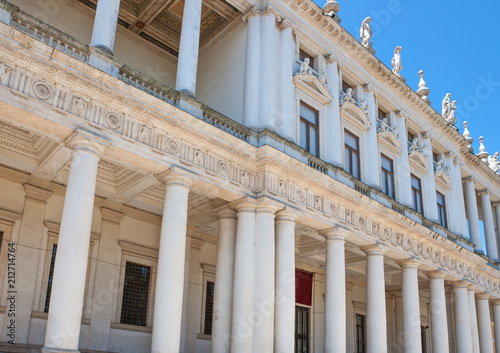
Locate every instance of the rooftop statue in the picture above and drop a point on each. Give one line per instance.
(451, 117)
(396, 61)
(305, 69)
(365, 33)
(446, 105)
(493, 162)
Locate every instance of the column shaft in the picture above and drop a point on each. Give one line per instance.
(335, 306)
(263, 330)
(429, 185)
(457, 189)
(398, 313)
(105, 22)
(284, 320)
(439, 324)
(473, 320)
(251, 101)
(411, 308)
(489, 226)
(372, 160)
(403, 171)
(267, 72)
(462, 319)
(496, 321)
(334, 150)
(287, 126)
(472, 214)
(68, 285)
(484, 324)
(243, 284)
(187, 64)
(170, 277)
(376, 322)
(224, 270)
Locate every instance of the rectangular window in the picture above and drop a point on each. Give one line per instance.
(303, 55)
(387, 167)
(351, 143)
(360, 333)
(309, 129)
(135, 294)
(411, 137)
(441, 206)
(301, 329)
(51, 275)
(209, 305)
(346, 86)
(416, 191)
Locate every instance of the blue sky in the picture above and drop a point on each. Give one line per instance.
(456, 43)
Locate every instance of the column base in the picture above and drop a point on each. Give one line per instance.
(59, 350)
(190, 105)
(5, 16)
(98, 60)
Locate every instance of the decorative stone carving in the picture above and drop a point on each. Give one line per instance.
(323, 78)
(446, 106)
(467, 137)
(451, 118)
(41, 90)
(493, 162)
(483, 155)
(331, 8)
(355, 110)
(347, 96)
(423, 91)
(365, 33)
(416, 146)
(388, 135)
(417, 153)
(304, 68)
(397, 66)
(442, 174)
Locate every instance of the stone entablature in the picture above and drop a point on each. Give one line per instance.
(151, 131)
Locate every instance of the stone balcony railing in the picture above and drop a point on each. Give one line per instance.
(69, 45)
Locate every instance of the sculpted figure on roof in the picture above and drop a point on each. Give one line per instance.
(446, 105)
(397, 66)
(365, 33)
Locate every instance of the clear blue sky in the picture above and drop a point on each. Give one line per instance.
(456, 43)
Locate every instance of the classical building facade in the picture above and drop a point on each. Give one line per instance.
(229, 176)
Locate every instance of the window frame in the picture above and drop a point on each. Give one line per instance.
(309, 125)
(310, 337)
(419, 192)
(442, 208)
(8, 221)
(391, 173)
(358, 309)
(304, 54)
(346, 131)
(208, 276)
(302, 97)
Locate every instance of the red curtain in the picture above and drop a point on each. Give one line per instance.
(303, 287)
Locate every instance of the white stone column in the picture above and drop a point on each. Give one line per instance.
(224, 271)
(334, 149)
(450, 318)
(473, 319)
(267, 72)
(264, 277)
(371, 168)
(403, 185)
(335, 305)
(398, 313)
(251, 100)
(284, 314)
(472, 214)
(439, 320)
(460, 220)
(68, 284)
(187, 63)
(171, 255)
(489, 226)
(497, 219)
(106, 280)
(496, 321)
(287, 124)
(376, 321)
(391, 322)
(429, 183)
(411, 306)
(105, 22)
(28, 253)
(243, 284)
(462, 318)
(484, 323)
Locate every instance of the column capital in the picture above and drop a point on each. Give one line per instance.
(111, 215)
(460, 284)
(401, 114)
(225, 212)
(485, 192)
(471, 288)
(246, 204)
(470, 178)
(36, 193)
(426, 135)
(436, 274)
(408, 263)
(267, 205)
(81, 140)
(285, 215)
(495, 302)
(284, 24)
(374, 249)
(331, 58)
(252, 12)
(176, 176)
(334, 233)
(483, 296)
(496, 203)
(369, 87)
